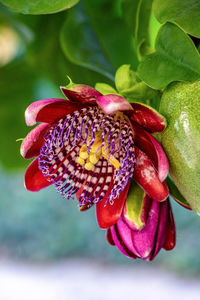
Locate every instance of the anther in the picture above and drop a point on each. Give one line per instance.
(110, 158)
(89, 166)
(80, 161)
(94, 158)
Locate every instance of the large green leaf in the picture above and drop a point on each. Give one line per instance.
(138, 14)
(88, 37)
(175, 59)
(185, 13)
(105, 19)
(46, 52)
(37, 7)
(81, 45)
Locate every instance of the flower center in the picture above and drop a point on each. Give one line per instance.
(90, 154)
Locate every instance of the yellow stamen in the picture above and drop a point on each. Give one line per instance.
(84, 154)
(89, 166)
(94, 155)
(112, 159)
(80, 161)
(83, 148)
(95, 146)
(93, 158)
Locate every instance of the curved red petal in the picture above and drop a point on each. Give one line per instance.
(86, 205)
(147, 143)
(34, 180)
(109, 237)
(34, 140)
(49, 110)
(148, 118)
(81, 93)
(147, 177)
(170, 241)
(109, 214)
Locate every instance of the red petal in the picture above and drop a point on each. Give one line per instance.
(86, 205)
(147, 143)
(49, 110)
(147, 177)
(109, 214)
(81, 93)
(34, 180)
(170, 240)
(32, 143)
(148, 118)
(109, 237)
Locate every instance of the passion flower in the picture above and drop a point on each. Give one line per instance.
(91, 146)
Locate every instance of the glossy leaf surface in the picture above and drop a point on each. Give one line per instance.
(175, 59)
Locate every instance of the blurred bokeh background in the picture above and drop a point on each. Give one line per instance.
(48, 247)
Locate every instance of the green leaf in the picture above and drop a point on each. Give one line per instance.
(80, 44)
(138, 14)
(125, 78)
(130, 86)
(105, 89)
(174, 192)
(185, 13)
(37, 7)
(175, 59)
(106, 20)
(47, 46)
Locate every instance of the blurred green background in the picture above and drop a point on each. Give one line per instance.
(36, 55)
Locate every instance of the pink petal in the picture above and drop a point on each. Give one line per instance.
(143, 240)
(112, 103)
(81, 93)
(147, 143)
(109, 214)
(34, 180)
(136, 207)
(34, 140)
(147, 177)
(120, 244)
(162, 229)
(148, 118)
(48, 110)
(126, 236)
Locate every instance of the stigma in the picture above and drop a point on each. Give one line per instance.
(90, 155)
